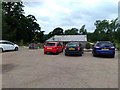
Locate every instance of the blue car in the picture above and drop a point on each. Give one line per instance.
(104, 48)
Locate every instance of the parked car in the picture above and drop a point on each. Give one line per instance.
(103, 48)
(33, 46)
(53, 47)
(73, 48)
(7, 46)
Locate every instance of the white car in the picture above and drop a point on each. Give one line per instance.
(7, 45)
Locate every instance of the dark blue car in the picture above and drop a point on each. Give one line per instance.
(104, 48)
(73, 48)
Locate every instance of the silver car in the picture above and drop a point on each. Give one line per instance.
(7, 46)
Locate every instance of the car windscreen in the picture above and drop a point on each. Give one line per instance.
(50, 44)
(104, 44)
(71, 44)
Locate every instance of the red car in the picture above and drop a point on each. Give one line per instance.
(53, 47)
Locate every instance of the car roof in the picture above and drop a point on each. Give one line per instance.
(103, 42)
(73, 42)
(51, 42)
(4, 41)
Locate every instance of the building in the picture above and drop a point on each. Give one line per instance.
(69, 38)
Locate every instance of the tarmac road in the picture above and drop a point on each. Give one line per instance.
(32, 69)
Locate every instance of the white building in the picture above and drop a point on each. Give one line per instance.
(69, 38)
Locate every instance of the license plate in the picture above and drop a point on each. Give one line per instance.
(49, 48)
(71, 48)
(105, 49)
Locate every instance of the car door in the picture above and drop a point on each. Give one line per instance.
(11, 45)
(8, 46)
(4, 46)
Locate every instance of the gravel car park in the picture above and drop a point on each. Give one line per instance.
(33, 69)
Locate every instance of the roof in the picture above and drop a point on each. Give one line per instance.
(4, 41)
(67, 38)
(103, 42)
(53, 42)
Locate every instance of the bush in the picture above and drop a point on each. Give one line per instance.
(21, 43)
(40, 45)
(88, 45)
(118, 46)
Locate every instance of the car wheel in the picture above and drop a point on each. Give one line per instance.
(80, 54)
(16, 48)
(1, 50)
(112, 56)
(94, 54)
(66, 54)
(57, 53)
(45, 52)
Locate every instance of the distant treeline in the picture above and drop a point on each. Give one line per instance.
(19, 28)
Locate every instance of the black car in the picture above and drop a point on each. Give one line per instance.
(73, 48)
(104, 48)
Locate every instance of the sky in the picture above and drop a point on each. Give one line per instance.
(68, 14)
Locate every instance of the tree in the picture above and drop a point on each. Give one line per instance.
(91, 37)
(39, 37)
(82, 30)
(32, 27)
(11, 12)
(73, 31)
(16, 26)
(102, 30)
(50, 35)
(57, 31)
(114, 30)
(106, 30)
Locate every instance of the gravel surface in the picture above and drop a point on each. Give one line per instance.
(32, 69)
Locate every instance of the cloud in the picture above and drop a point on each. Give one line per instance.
(70, 13)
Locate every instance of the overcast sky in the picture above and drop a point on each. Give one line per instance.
(68, 14)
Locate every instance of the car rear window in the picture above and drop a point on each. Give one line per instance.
(104, 44)
(50, 44)
(72, 44)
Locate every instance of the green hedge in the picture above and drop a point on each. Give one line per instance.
(118, 46)
(88, 45)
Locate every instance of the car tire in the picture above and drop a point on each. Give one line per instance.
(16, 48)
(112, 56)
(57, 53)
(80, 54)
(45, 52)
(94, 55)
(66, 54)
(1, 50)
